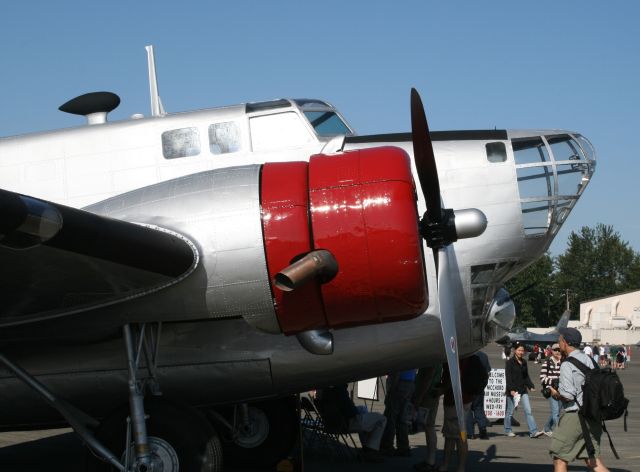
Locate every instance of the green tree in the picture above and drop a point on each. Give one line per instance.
(597, 263)
(534, 294)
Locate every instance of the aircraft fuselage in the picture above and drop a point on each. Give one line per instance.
(526, 183)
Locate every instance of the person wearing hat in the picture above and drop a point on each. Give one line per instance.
(567, 443)
(550, 377)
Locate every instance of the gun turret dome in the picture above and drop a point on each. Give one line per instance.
(95, 106)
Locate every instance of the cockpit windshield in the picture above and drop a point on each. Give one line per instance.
(327, 123)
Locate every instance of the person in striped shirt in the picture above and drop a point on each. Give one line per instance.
(549, 377)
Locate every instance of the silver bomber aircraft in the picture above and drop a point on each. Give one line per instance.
(170, 281)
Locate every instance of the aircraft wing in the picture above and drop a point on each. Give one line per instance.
(57, 260)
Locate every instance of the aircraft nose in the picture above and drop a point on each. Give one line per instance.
(553, 170)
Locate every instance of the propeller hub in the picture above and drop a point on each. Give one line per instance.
(470, 223)
(440, 229)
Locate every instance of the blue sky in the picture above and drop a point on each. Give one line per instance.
(507, 64)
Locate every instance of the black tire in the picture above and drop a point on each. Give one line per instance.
(190, 435)
(279, 441)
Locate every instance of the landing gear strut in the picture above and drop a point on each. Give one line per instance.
(142, 459)
(179, 438)
(155, 434)
(145, 435)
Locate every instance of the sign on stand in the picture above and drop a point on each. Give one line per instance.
(495, 400)
(368, 389)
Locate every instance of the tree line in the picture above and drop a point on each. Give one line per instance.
(597, 263)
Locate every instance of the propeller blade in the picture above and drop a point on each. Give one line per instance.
(438, 228)
(446, 295)
(424, 158)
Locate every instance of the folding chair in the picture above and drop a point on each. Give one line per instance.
(340, 436)
(313, 428)
(335, 443)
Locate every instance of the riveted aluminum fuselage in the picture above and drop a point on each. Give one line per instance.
(117, 170)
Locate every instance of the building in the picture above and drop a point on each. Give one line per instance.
(614, 319)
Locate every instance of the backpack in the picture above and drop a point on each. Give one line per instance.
(475, 376)
(602, 393)
(602, 398)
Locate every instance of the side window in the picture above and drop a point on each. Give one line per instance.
(224, 138)
(278, 131)
(496, 152)
(183, 142)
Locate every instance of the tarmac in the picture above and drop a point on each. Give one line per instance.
(60, 450)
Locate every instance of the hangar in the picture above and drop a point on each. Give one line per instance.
(614, 319)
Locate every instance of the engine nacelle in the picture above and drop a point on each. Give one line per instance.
(248, 223)
(361, 207)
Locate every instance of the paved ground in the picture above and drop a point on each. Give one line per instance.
(59, 450)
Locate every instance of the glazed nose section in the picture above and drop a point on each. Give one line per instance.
(553, 170)
(359, 208)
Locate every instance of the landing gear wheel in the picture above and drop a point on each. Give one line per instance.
(256, 432)
(179, 438)
(268, 438)
(161, 453)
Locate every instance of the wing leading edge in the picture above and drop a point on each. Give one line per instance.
(58, 261)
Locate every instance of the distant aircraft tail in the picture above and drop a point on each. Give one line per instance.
(563, 322)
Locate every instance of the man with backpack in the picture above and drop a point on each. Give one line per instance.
(568, 441)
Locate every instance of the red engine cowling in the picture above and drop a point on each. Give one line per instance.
(360, 206)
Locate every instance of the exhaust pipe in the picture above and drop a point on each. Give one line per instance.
(318, 264)
(316, 341)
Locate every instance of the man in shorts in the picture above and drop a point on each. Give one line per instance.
(427, 396)
(450, 427)
(568, 441)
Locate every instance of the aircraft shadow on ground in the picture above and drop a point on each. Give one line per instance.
(65, 453)
(488, 460)
(62, 453)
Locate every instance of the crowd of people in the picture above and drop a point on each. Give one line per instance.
(605, 355)
(413, 397)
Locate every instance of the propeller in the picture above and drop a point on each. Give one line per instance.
(440, 229)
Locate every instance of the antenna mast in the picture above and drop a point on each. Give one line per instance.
(156, 104)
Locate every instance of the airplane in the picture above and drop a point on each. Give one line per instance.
(171, 280)
(524, 336)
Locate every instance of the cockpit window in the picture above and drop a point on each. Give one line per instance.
(280, 130)
(327, 123)
(312, 102)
